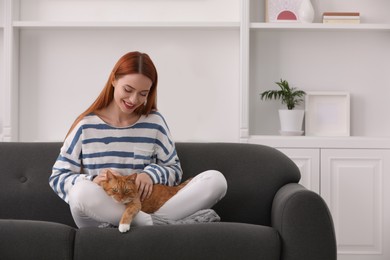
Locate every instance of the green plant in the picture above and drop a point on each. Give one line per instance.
(289, 96)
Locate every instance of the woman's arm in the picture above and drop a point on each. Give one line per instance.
(166, 169)
(68, 166)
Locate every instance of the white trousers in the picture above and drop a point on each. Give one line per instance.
(91, 206)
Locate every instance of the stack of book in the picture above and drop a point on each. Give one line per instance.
(341, 17)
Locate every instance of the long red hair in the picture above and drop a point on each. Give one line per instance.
(130, 63)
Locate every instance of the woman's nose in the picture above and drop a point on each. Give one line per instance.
(133, 98)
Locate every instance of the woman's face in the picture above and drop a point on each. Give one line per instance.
(131, 92)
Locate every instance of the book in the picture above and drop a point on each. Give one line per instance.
(342, 21)
(341, 14)
(341, 17)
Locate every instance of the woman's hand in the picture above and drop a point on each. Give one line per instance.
(144, 185)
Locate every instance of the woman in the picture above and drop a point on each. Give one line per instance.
(123, 131)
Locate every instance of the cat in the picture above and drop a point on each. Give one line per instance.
(123, 189)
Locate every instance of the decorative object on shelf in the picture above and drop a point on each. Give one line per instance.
(341, 17)
(290, 120)
(282, 10)
(327, 114)
(306, 12)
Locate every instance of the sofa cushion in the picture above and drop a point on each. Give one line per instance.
(197, 241)
(26, 239)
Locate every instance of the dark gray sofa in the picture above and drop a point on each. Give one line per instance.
(265, 214)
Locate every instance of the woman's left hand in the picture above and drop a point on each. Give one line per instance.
(144, 185)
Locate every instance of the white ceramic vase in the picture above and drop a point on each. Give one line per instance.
(291, 121)
(306, 12)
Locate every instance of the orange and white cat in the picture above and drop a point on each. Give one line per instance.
(124, 190)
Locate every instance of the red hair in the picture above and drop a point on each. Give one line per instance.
(130, 63)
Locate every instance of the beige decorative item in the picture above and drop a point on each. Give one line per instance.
(282, 10)
(306, 12)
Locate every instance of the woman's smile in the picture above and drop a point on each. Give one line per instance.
(128, 105)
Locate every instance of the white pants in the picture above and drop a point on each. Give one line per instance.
(91, 206)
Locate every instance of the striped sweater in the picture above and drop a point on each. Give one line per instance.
(93, 145)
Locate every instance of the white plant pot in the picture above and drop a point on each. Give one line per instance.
(291, 121)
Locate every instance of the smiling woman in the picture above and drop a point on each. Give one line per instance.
(123, 132)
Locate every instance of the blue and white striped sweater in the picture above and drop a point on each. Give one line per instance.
(94, 145)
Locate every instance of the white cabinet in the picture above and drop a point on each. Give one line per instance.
(308, 162)
(355, 184)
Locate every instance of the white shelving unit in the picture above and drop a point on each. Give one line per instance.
(328, 57)
(172, 32)
(139, 25)
(319, 26)
(315, 57)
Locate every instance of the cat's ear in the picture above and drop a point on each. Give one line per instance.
(132, 177)
(109, 175)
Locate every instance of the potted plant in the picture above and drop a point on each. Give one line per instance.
(290, 119)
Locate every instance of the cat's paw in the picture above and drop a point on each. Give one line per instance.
(123, 228)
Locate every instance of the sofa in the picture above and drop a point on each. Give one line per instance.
(265, 214)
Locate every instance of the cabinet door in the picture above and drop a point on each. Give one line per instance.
(355, 184)
(307, 161)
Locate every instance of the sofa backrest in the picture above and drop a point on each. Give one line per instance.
(24, 189)
(254, 174)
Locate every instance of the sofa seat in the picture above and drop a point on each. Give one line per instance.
(195, 241)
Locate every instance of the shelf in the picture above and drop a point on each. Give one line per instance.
(319, 26)
(354, 142)
(143, 25)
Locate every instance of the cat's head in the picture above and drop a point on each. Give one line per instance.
(121, 188)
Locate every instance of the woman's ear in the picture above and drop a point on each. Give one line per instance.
(113, 83)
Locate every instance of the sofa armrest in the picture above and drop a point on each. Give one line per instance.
(304, 223)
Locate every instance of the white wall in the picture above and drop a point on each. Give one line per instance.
(63, 71)
(130, 10)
